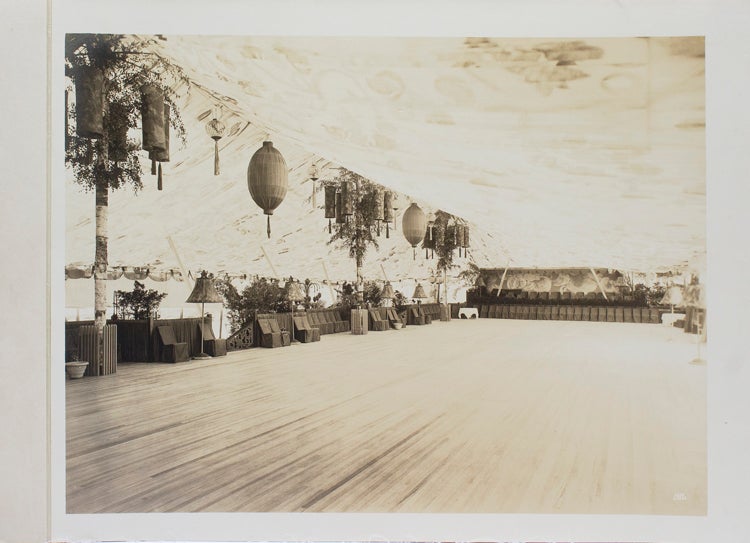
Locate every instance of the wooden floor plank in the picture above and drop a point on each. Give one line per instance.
(488, 415)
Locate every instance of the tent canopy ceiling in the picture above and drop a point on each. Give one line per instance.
(560, 153)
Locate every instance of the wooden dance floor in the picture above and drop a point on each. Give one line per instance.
(479, 416)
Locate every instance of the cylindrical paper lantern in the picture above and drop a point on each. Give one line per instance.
(413, 225)
(379, 205)
(387, 212)
(429, 238)
(162, 155)
(89, 82)
(152, 118)
(117, 133)
(347, 204)
(387, 206)
(330, 197)
(459, 229)
(267, 179)
(339, 215)
(438, 232)
(330, 204)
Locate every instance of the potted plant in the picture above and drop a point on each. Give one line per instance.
(400, 304)
(74, 367)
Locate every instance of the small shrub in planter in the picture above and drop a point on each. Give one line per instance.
(74, 367)
(138, 304)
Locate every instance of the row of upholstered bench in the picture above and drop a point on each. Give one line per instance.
(571, 313)
(328, 322)
(305, 327)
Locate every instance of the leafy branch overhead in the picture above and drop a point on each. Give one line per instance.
(444, 239)
(113, 160)
(360, 230)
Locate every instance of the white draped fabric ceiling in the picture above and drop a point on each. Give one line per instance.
(559, 153)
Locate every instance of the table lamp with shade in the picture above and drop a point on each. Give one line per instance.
(387, 293)
(295, 294)
(203, 293)
(673, 297)
(419, 293)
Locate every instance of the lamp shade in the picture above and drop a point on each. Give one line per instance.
(387, 293)
(295, 292)
(419, 292)
(204, 291)
(673, 296)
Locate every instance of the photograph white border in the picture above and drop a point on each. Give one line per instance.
(723, 23)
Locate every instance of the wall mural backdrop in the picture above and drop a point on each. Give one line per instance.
(552, 280)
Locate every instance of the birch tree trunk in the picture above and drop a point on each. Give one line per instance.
(100, 274)
(360, 284)
(445, 287)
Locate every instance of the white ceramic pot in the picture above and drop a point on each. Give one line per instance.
(75, 370)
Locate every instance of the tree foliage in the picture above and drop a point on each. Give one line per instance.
(127, 67)
(348, 295)
(139, 303)
(470, 274)
(360, 231)
(446, 243)
(261, 295)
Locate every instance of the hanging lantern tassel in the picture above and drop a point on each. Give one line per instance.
(216, 157)
(268, 226)
(215, 129)
(313, 173)
(158, 182)
(153, 167)
(387, 230)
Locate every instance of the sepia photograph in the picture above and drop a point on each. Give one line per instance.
(329, 274)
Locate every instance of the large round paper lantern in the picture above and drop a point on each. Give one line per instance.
(267, 179)
(413, 225)
(89, 102)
